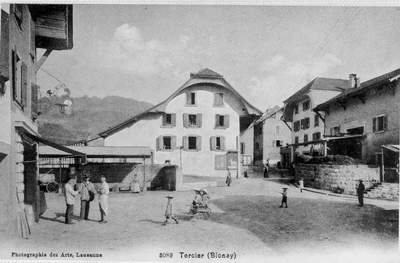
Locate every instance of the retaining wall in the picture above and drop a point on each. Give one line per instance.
(329, 177)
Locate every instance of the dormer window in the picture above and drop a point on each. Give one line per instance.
(191, 98)
(218, 99)
(296, 109)
(306, 105)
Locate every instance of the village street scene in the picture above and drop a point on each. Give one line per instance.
(220, 133)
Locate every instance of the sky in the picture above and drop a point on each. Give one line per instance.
(265, 52)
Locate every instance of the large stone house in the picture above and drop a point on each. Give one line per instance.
(197, 127)
(364, 119)
(307, 125)
(23, 30)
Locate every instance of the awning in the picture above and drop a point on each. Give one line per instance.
(392, 147)
(99, 151)
(327, 139)
(38, 139)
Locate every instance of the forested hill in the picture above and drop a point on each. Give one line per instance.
(89, 116)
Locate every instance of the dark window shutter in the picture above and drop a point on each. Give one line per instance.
(198, 143)
(185, 120)
(24, 84)
(199, 120)
(216, 120)
(226, 121)
(173, 142)
(374, 124)
(158, 143)
(34, 100)
(188, 97)
(13, 72)
(222, 141)
(163, 119)
(212, 143)
(173, 119)
(185, 143)
(385, 122)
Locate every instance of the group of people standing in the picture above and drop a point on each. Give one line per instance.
(87, 192)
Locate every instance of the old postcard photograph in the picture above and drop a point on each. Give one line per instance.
(199, 132)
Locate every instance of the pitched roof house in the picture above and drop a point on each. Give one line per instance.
(364, 118)
(307, 126)
(197, 127)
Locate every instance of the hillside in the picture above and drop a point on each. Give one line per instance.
(89, 116)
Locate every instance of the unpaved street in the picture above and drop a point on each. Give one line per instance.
(246, 220)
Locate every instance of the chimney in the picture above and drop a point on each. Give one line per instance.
(354, 81)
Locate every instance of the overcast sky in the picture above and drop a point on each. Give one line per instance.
(266, 53)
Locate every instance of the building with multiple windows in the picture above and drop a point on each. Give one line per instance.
(365, 118)
(307, 125)
(263, 139)
(197, 127)
(23, 30)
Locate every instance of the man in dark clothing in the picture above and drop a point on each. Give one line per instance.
(266, 168)
(360, 193)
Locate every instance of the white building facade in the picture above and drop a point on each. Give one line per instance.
(197, 128)
(308, 126)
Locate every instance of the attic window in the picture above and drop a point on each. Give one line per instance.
(306, 105)
(219, 99)
(191, 98)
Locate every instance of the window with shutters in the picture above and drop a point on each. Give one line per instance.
(335, 131)
(217, 143)
(296, 109)
(296, 126)
(305, 138)
(192, 120)
(218, 99)
(169, 120)
(166, 143)
(379, 123)
(34, 101)
(296, 139)
(242, 147)
(316, 136)
(19, 80)
(316, 120)
(191, 98)
(305, 123)
(221, 121)
(306, 105)
(192, 143)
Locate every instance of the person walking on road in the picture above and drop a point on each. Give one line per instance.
(266, 168)
(87, 195)
(103, 191)
(284, 197)
(70, 195)
(360, 193)
(228, 178)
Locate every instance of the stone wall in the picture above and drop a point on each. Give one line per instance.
(329, 177)
(121, 175)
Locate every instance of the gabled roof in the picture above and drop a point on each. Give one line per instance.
(204, 76)
(319, 84)
(364, 87)
(268, 114)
